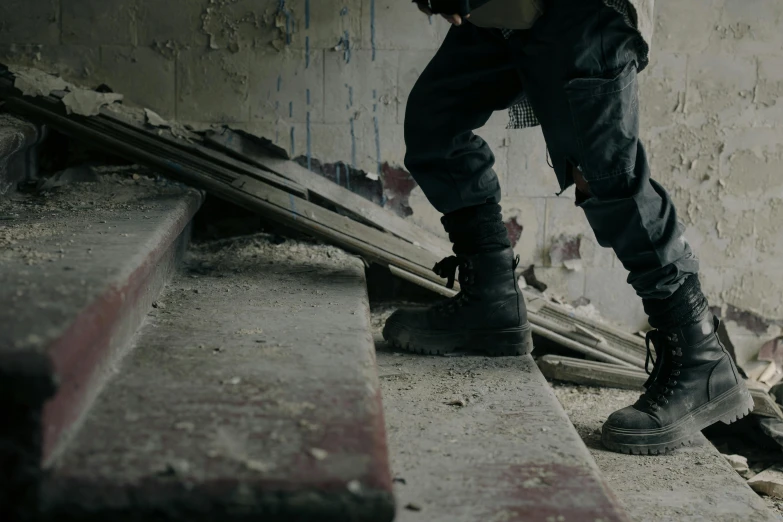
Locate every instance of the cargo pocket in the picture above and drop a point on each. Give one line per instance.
(605, 113)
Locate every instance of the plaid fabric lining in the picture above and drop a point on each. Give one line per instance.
(521, 114)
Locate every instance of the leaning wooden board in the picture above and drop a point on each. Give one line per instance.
(233, 143)
(279, 189)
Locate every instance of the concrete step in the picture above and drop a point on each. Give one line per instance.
(476, 438)
(250, 394)
(694, 484)
(18, 160)
(79, 269)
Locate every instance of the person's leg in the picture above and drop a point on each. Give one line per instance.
(579, 65)
(470, 77)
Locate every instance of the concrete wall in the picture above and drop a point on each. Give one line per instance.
(329, 79)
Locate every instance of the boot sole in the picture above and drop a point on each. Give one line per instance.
(726, 408)
(497, 343)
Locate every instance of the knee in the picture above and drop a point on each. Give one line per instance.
(620, 183)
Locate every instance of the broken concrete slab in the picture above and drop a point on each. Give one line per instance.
(78, 272)
(251, 394)
(769, 482)
(740, 465)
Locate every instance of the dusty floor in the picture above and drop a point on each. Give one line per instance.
(688, 485)
(105, 197)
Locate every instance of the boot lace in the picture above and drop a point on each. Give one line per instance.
(667, 362)
(447, 269)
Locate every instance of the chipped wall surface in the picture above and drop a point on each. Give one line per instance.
(328, 80)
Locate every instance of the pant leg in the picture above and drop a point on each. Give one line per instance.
(470, 77)
(579, 67)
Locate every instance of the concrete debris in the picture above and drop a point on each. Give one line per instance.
(185, 426)
(767, 368)
(258, 466)
(88, 103)
(80, 174)
(34, 82)
(77, 100)
(740, 465)
(154, 119)
(318, 453)
(768, 482)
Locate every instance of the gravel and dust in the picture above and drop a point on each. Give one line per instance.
(27, 220)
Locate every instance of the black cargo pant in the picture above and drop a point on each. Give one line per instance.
(578, 67)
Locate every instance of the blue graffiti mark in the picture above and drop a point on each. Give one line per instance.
(293, 142)
(372, 27)
(307, 52)
(430, 20)
(350, 96)
(290, 109)
(307, 14)
(344, 11)
(309, 144)
(281, 9)
(308, 96)
(377, 144)
(353, 145)
(347, 47)
(292, 206)
(279, 83)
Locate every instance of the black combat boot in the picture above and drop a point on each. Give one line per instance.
(694, 384)
(488, 314)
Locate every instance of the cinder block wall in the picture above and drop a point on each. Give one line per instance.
(329, 79)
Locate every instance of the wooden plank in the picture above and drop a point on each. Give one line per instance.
(632, 345)
(591, 373)
(192, 153)
(232, 142)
